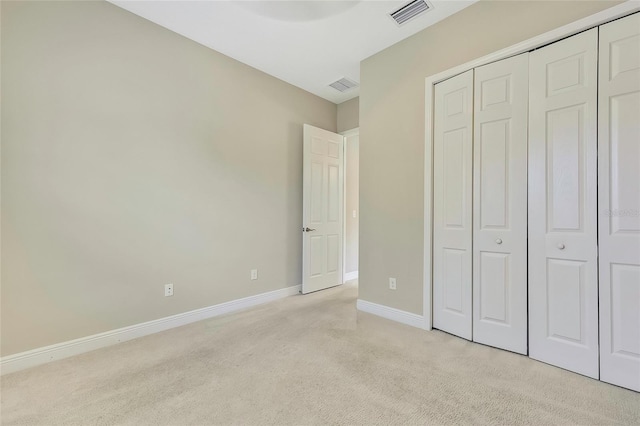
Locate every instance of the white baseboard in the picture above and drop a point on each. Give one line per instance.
(351, 276)
(393, 314)
(22, 360)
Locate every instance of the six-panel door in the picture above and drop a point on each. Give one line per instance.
(323, 183)
(619, 201)
(563, 281)
(500, 204)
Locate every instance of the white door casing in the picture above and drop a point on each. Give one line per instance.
(563, 286)
(452, 209)
(619, 201)
(323, 185)
(351, 213)
(500, 204)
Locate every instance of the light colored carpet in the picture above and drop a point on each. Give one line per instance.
(308, 360)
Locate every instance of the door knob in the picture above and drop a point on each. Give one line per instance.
(307, 229)
(498, 241)
(561, 246)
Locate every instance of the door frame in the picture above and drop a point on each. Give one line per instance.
(602, 17)
(346, 134)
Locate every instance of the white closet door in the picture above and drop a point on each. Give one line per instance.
(619, 201)
(500, 204)
(452, 210)
(563, 285)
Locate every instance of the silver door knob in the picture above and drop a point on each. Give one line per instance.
(498, 241)
(307, 229)
(561, 246)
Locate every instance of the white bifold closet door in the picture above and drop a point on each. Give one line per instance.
(500, 204)
(452, 211)
(563, 277)
(619, 201)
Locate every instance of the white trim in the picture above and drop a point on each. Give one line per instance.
(568, 30)
(34, 357)
(351, 132)
(351, 276)
(392, 314)
(428, 208)
(346, 135)
(344, 208)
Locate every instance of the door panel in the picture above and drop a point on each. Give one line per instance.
(452, 213)
(322, 207)
(625, 293)
(563, 286)
(619, 201)
(492, 172)
(624, 175)
(494, 289)
(453, 271)
(316, 255)
(500, 204)
(565, 173)
(454, 178)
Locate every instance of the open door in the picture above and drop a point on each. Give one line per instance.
(322, 211)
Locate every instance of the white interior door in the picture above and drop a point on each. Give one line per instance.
(323, 186)
(500, 204)
(619, 201)
(563, 285)
(452, 210)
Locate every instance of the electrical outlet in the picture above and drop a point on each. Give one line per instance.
(254, 274)
(168, 290)
(392, 283)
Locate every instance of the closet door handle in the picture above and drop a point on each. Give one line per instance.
(498, 241)
(561, 246)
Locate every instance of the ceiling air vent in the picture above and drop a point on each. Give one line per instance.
(343, 84)
(409, 11)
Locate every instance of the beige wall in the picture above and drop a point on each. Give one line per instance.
(392, 131)
(352, 224)
(348, 115)
(133, 157)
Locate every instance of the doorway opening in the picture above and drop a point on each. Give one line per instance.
(351, 204)
(330, 208)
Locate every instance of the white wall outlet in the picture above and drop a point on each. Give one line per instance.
(392, 283)
(168, 290)
(354, 214)
(254, 274)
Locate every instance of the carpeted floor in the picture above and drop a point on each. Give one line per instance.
(308, 360)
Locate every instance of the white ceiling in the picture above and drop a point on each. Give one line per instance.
(307, 43)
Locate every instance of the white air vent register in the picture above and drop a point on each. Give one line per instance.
(410, 11)
(343, 84)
